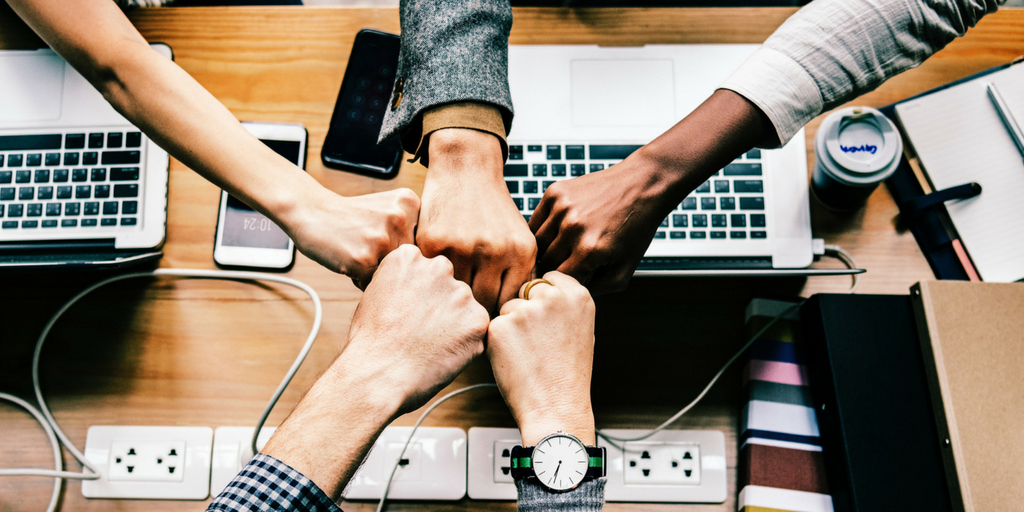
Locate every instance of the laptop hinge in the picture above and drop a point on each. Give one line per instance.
(50, 246)
(705, 263)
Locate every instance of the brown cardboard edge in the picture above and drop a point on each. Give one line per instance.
(953, 483)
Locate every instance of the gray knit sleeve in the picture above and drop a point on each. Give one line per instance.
(452, 51)
(588, 497)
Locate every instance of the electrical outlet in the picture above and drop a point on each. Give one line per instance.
(146, 462)
(149, 462)
(433, 468)
(503, 458)
(661, 464)
(489, 457)
(657, 469)
(231, 452)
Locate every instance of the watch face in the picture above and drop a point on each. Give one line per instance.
(560, 462)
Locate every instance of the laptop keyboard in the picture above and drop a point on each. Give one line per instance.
(65, 181)
(729, 206)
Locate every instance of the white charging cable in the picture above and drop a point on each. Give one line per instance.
(847, 258)
(707, 388)
(401, 455)
(49, 423)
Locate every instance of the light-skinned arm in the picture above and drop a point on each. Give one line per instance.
(469, 217)
(415, 329)
(346, 234)
(542, 354)
(453, 112)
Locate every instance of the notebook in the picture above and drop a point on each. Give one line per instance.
(958, 137)
(972, 339)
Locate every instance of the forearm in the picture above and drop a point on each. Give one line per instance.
(166, 103)
(714, 134)
(832, 51)
(190, 124)
(329, 433)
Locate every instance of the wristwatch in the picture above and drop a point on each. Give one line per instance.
(560, 462)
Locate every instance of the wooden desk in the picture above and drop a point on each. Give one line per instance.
(178, 352)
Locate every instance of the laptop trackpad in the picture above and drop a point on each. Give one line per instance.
(622, 93)
(32, 87)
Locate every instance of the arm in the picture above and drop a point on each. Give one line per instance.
(453, 112)
(597, 227)
(347, 235)
(831, 52)
(415, 329)
(542, 354)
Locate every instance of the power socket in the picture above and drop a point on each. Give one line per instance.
(657, 469)
(434, 466)
(489, 457)
(146, 462)
(170, 463)
(654, 463)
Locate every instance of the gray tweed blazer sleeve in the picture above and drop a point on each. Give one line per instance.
(452, 51)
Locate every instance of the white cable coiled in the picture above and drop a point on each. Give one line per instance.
(49, 423)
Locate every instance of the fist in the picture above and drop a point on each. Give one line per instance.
(469, 217)
(351, 235)
(416, 327)
(542, 353)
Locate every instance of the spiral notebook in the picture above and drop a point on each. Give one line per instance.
(959, 137)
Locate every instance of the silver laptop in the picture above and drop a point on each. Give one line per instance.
(581, 109)
(80, 186)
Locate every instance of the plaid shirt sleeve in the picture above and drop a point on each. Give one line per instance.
(267, 484)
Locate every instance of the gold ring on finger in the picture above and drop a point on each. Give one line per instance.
(531, 284)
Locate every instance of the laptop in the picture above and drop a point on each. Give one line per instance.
(80, 186)
(582, 109)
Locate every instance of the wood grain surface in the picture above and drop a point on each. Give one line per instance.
(189, 352)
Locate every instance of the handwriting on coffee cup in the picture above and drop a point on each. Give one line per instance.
(863, 148)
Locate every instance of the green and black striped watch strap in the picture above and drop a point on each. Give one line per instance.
(522, 462)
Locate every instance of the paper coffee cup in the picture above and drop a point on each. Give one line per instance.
(856, 149)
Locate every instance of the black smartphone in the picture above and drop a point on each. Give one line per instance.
(351, 143)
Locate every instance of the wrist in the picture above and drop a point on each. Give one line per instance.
(466, 152)
(330, 431)
(661, 175)
(291, 204)
(575, 420)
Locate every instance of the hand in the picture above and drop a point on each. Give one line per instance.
(542, 353)
(597, 227)
(415, 329)
(469, 217)
(351, 235)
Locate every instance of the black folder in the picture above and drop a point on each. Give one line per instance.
(869, 389)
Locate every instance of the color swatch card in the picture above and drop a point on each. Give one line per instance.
(781, 466)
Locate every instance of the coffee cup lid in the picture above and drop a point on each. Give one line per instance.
(859, 143)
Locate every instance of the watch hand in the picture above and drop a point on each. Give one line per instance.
(559, 466)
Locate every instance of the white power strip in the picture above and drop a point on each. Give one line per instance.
(672, 466)
(169, 463)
